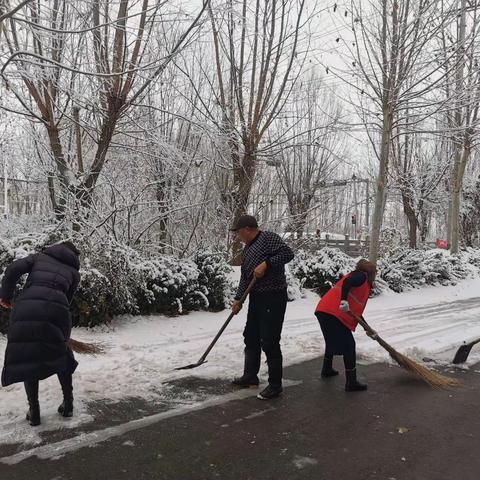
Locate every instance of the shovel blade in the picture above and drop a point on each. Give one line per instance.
(192, 365)
(462, 353)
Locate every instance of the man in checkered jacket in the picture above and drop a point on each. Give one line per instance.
(264, 256)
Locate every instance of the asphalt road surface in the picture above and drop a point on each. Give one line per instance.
(400, 429)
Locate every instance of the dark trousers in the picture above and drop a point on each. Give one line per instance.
(266, 313)
(65, 379)
(338, 339)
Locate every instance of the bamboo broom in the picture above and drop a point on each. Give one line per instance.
(434, 379)
(84, 348)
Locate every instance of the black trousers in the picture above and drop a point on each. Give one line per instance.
(263, 331)
(66, 382)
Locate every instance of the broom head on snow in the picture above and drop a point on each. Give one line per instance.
(84, 348)
(434, 379)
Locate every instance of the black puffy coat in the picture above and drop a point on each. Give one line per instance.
(40, 321)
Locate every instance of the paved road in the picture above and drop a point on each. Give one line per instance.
(399, 430)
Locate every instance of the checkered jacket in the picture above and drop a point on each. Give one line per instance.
(267, 247)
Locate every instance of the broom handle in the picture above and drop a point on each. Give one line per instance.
(369, 329)
(229, 319)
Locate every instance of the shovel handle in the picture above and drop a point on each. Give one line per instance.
(229, 319)
(248, 290)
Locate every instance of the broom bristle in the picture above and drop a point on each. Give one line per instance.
(434, 379)
(86, 348)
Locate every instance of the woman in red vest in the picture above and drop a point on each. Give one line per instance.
(334, 312)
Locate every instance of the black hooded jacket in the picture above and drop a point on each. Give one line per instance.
(40, 321)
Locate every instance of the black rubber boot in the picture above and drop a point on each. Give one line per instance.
(275, 371)
(352, 384)
(327, 369)
(271, 392)
(249, 379)
(33, 414)
(66, 408)
(246, 381)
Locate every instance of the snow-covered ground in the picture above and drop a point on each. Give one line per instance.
(142, 351)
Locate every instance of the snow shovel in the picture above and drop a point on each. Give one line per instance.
(464, 351)
(219, 334)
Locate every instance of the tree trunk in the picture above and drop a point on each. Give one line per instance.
(381, 193)
(163, 221)
(412, 220)
(59, 200)
(244, 176)
(461, 160)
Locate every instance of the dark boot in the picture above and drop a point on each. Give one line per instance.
(275, 371)
(66, 408)
(274, 388)
(33, 414)
(352, 384)
(249, 379)
(327, 370)
(271, 392)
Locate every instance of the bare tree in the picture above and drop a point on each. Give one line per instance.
(394, 71)
(81, 82)
(460, 49)
(312, 147)
(419, 172)
(259, 51)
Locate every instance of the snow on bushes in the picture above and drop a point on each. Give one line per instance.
(294, 287)
(214, 278)
(321, 270)
(171, 286)
(90, 306)
(116, 279)
(407, 268)
(401, 270)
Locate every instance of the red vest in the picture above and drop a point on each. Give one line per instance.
(357, 301)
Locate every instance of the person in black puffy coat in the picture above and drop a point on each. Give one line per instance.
(40, 323)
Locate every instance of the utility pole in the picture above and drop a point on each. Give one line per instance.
(355, 213)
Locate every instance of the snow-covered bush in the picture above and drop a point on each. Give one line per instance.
(92, 303)
(294, 287)
(214, 278)
(321, 270)
(116, 279)
(118, 265)
(390, 240)
(170, 286)
(407, 268)
(472, 257)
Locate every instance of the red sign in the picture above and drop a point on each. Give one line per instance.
(441, 244)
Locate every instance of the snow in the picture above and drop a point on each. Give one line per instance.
(143, 351)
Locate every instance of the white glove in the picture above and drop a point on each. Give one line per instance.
(344, 306)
